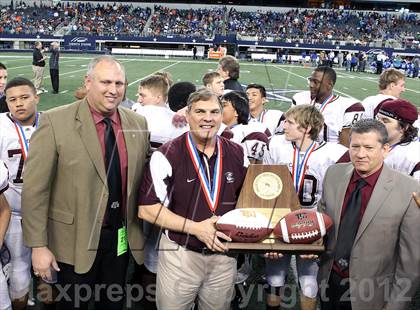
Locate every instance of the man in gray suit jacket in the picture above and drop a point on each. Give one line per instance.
(80, 192)
(372, 258)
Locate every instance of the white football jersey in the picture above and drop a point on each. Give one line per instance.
(159, 123)
(339, 113)
(4, 177)
(253, 138)
(373, 103)
(11, 155)
(281, 152)
(417, 125)
(303, 97)
(270, 118)
(405, 158)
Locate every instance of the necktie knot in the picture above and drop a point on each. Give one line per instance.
(107, 121)
(360, 184)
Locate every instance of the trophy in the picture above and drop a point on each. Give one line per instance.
(269, 190)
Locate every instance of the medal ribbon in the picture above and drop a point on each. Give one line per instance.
(261, 117)
(212, 193)
(326, 102)
(24, 145)
(299, 166)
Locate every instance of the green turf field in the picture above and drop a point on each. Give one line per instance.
(285, 80)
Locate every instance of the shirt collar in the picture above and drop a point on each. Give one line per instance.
(97, 117)
(371, 180)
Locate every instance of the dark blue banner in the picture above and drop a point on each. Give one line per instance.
(80, 43)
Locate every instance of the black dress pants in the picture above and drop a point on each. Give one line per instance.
(104, 282)
(337, 294)
(54, 79)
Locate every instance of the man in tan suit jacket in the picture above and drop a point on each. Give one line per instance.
(383, 269)
(66, 193)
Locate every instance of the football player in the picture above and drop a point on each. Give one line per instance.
(214, 82)
(3, 81)
(4, 251)
(339, 112)
(257, 97)
(307, 161)
(16, 129)
(398, 116)
(151, 103)
(253, 136)
(391, 86)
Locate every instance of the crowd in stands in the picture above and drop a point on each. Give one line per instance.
(304, 26)
(110, 19)
(23, 19)
(318, 26)
(199, 23)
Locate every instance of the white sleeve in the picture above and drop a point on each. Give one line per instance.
(353, 114)
(4, 177)
(160, 169)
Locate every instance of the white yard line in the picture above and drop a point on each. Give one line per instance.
(164, 68)
(65, 73)
(374, 80)
(71, 72)
(29, 65)
(302, 77)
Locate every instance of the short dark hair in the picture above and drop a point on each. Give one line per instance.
(370, 125)
(240, 104)
(19, 81)
(328, 72)
(2, 66)
(231, 65)
(178, 95)
(203, 94)
(259, 87)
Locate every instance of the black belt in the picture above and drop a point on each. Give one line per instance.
(203, 251)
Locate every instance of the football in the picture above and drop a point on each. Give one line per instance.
(244, 225)
(302, 226)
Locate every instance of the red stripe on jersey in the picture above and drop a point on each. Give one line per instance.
(356, 107)
(345, 158)
(415, 169)
(259, 136)
(227, 133)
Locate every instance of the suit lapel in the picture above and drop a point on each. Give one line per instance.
(89, 137)
(341, 190)
(131, 138)
(382, 189)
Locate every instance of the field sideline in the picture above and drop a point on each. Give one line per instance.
(282, 81)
